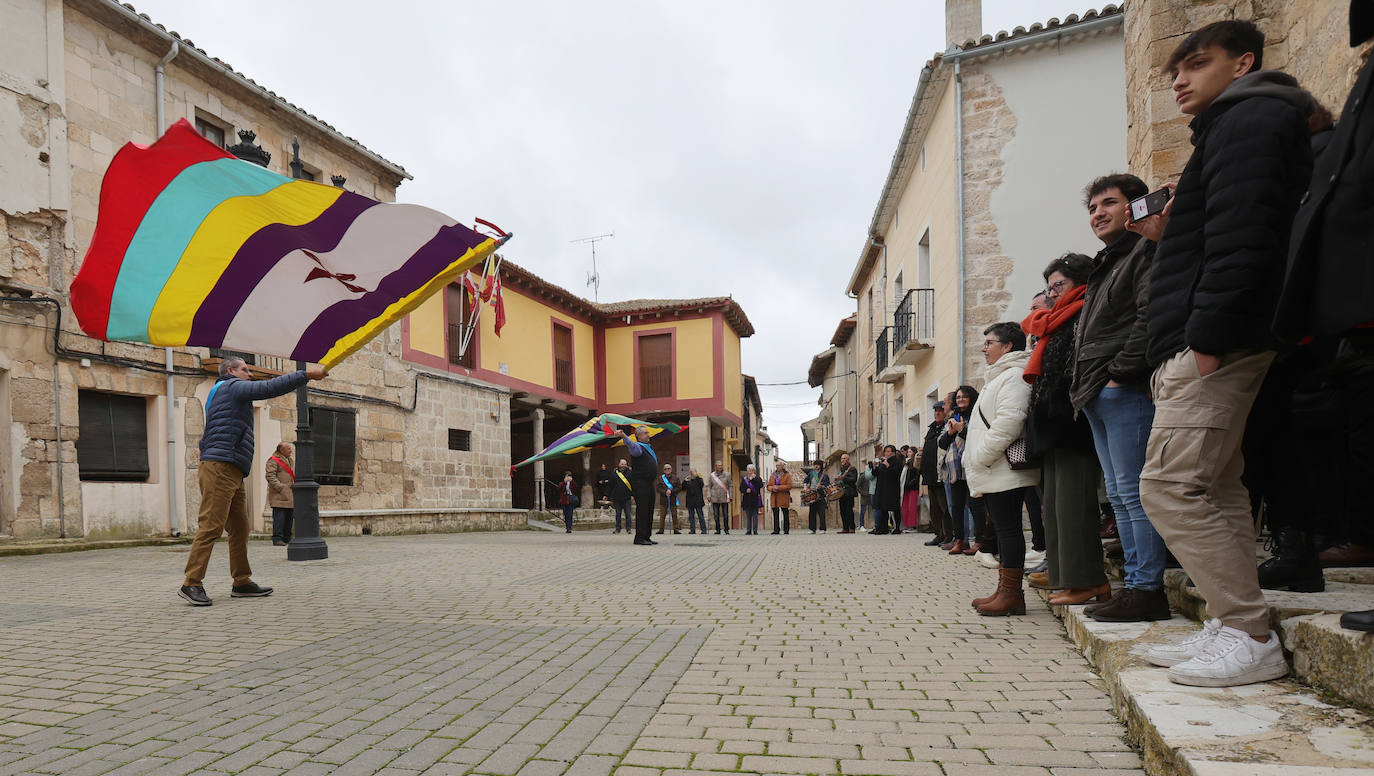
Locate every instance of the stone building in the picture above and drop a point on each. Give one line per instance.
(102, 438)
(984, 189)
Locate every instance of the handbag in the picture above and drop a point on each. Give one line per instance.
(1018, 452)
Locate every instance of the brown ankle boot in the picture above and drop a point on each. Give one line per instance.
(1009, 599)
(985, 600)
(958, 548)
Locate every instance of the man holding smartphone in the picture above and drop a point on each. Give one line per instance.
(1111, 386)
(1213, 289)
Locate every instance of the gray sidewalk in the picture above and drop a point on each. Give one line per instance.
(535, 654)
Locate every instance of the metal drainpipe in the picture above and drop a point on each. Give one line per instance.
(959, 216)
(172, 512)
(57, 413)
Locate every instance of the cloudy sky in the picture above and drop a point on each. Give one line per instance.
(733, 148)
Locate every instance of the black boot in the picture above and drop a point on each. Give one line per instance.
(1294, 565)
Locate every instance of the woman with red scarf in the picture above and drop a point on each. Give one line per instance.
(1064, 442)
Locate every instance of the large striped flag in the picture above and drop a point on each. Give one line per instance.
(195, 247)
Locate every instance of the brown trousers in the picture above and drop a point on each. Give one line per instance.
(223, 508)
(1191, 487)
(667, 513)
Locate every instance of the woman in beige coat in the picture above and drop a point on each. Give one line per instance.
(281, 475)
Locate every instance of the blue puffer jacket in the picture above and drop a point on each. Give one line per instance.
(228, 433)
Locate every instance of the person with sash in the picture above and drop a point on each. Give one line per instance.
(718, 495)
(226, 458)
(751, 498)
(667, 487)
(281, 474)
(618, 490)
(780, 488)
(643, 472)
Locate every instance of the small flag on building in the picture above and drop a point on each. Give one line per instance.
(193, 246)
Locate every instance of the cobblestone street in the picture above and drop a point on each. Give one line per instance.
(537, 654)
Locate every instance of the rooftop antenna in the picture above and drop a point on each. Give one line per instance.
(593, 278)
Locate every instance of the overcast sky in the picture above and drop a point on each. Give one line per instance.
(733, 148)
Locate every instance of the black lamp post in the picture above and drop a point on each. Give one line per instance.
(306, 542)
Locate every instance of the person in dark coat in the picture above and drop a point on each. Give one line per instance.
(1328, 295)
(568, 499)
(619, 491)
(887, 495)
(930, 478)
(603, 484)
(751, 499)
(667, 487)
(643, 472)
(694, 493)
(849, 478)
(1111, 389)
(226, 457)
(1214, 285)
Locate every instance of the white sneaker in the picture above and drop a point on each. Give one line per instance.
(861, 528)
(1165, 655)
(1232, 658)
(1033, 557)
(988, 560)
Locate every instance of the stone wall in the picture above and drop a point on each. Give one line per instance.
(989, 125)
(1309, 39)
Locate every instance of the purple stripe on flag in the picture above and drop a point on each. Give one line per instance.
(260, 253)
(342, 318)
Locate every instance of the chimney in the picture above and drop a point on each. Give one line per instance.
(963, 21)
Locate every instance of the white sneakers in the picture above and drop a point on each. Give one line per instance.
(1034, 557)
(1221, 656)
(1166, 655)
(988, 560)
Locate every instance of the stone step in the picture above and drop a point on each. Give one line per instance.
(1322, 653)
(1268, 729)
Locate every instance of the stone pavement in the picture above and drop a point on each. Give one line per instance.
(536, 654)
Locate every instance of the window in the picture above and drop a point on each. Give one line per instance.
(656, 366)
(923, 261)
(210, 131)
(457, 308)
(333, 432)
(562, 358)
(459, 439)
(307, 175)
(113, 446)
(897, 290)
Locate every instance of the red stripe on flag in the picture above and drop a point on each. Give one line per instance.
(136, 176)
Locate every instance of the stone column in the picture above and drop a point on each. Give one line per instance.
(539, 488)
(589, 476)
(699, 443)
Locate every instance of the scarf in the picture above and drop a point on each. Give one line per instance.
(1042, 323)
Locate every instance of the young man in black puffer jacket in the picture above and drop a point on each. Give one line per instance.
(1213, 288)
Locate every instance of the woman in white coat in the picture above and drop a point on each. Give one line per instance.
(998, 419)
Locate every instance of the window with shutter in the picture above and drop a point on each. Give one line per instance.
(656, 366)
(458, 308)
(562, 358)
(113, 446)
(334, 433)
(459, 439)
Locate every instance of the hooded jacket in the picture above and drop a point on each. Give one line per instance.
(228, 435)
(1329, 287)
(1215, 278)
(996, 421)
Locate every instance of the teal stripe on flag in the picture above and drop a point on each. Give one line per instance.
(166, 230)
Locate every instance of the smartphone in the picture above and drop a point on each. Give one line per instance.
(1149, 204)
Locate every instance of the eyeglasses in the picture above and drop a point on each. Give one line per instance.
(1057, 287)
(988, 343)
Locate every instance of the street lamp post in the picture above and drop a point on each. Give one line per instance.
(306, 542)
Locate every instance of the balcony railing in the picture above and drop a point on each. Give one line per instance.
(884, 349)
(914, 321)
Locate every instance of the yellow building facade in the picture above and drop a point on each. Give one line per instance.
(565, 359)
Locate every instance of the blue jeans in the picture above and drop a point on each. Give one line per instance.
(1120, 418)
(699, 513)
(623, 507)
(568, 516)
(863, 510)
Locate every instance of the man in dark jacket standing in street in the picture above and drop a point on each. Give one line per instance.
(930, 475)
(226, 457)
(1111, 388)
(1213, 289)
(643, 471)
(1328, 295)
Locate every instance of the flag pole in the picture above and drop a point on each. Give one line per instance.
(306, 542)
